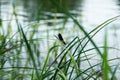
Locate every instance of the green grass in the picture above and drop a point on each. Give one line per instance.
(105, 61)
(26, 57)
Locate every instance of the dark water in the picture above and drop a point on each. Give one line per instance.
(89, 12)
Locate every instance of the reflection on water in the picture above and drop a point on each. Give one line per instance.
(95, 12)
(98, 11)
(40, 9)
(44, 9)
(89, 12)
(92, 12)
(42, 15)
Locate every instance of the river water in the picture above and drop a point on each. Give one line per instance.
(90, 13)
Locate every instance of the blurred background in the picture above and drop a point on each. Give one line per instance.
(41, 20)
(48, 20)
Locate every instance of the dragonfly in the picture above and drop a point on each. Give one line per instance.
(61, 39)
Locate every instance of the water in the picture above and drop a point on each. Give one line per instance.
(90, 13)
(95, 12)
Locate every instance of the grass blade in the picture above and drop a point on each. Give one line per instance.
(105, 59)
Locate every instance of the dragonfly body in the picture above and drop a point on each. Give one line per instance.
(61, 38)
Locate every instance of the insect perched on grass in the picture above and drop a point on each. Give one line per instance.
(61, 38)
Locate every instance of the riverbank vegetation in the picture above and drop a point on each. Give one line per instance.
(26, 55)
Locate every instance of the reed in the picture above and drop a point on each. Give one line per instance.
(22, 56)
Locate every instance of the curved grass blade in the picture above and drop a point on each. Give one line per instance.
(77, 23)
(69, 46)
(26, 42)
(113, 74)
(63, 51)
(46, 61)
